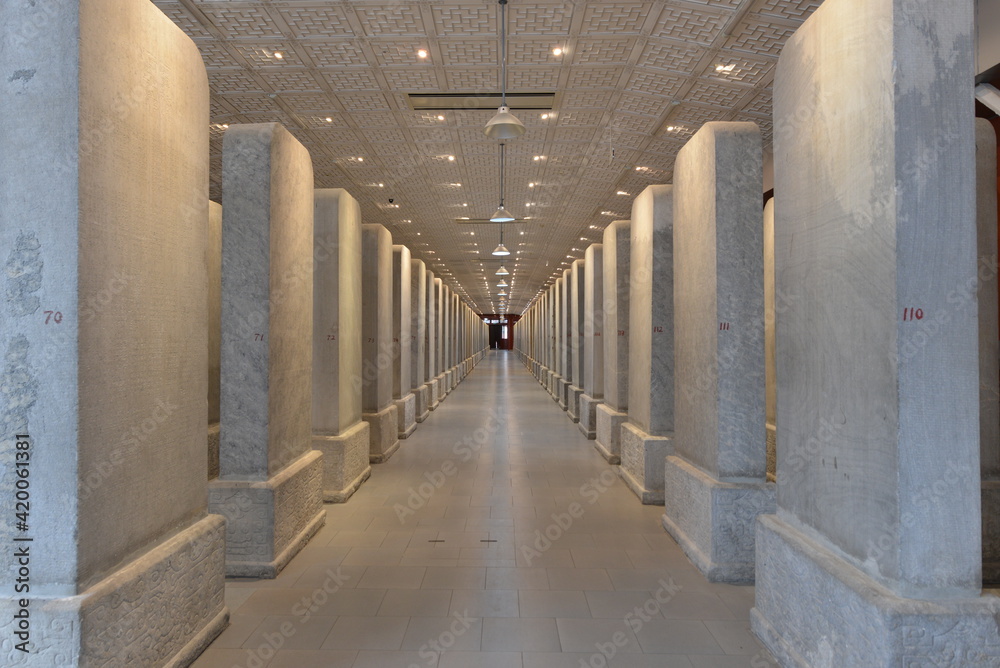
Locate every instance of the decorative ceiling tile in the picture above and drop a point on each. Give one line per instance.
(595, 77)
(373, 119)
(633, 123)
(440, 135)
(363, 101)
(385, 135)
(179, 14)
(760, 104)
(390, 19)
(290, 81)
(215, 54)
(531, 52)
(539, 19)
(323, 122)
(694, 115)
(619, 18)
(533, 79)
(574, 118)
(575, 134)
(316, 21)
(716, 93)
(312, 103)
(465, 52)
(353, 78)
(241, 21)
(740, 68)
(760, 36)
(797, 10)
(465, 19)
(654, 83)
(689, 23)
(646, 105)
(602, 51)
(671, 56)
(335, 54)
(232, 81)
(469, 80)
(252, 103)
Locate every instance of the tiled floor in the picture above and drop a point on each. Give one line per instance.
(496, 536)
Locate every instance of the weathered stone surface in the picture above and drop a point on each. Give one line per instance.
(878, 506)
(402, 341)
(770, 361)
(213, 259)
(577, 277)
(378, 349)
(642, 461)
(336, 373)
(607, 437)
(266, 457)
(430, 354)
(104, 336)
(617, 252)
(989, 364)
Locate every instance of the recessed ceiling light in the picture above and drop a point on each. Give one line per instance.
(279, 55)
(725, 68)
(622, 192)
(451, 158)
(537, 157)
(440, 117)
(422, 53)
(329, 119)
(531, 185)
(381, 185)
(557, 51)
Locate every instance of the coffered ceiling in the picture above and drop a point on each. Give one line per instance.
(634, 81)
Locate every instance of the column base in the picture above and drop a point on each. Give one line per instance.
(991, 532)
(588, 415)
(554, 390)
(269, 521)
(454, 377)
(561, 389)
(213, 450)
(772, 452)
(161, 609)
(383, 439)
(643, 458)
(439, 393)
(345, 462)
(423, 394)
(713, 521)
(406, 414)
(573, 395)
(609, 426)
(813, 609)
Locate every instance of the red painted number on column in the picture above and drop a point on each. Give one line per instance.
(258, 337)
(723, 326)
(53, 316)
(657, 330)
(910, 314)
(621, 332)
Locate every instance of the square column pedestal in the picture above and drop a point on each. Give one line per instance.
(646, 438)
(377, 408)
(874, 555)
(338, 431)
(607, 438)
(716, 484)
(611, 414)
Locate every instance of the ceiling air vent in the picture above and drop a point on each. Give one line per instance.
(453, 101)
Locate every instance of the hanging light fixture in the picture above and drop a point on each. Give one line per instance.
(504, 125)
(501, 293)
(502, 271)
(502, 215)
(502, 284)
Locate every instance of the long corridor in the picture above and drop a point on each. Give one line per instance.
(495, 537)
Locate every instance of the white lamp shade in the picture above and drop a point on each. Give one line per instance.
(504, 125)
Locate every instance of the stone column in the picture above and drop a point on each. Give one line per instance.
(104, 340)
(430, 359)
(377, 408)
(265, 453)
(439, 344)
(402, 342)
(593, 340)
(611, 413)
(213, 259)
(418, 347)
(989, 366)
(560, 371)
(566, 296)
(578, 273)
(337, 428)
(453, 321)
(874, 556)
(770, 359)
(645, 439)
(715, 482)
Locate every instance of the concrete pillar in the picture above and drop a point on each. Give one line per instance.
(874, 556)
(645, 439)
(439, 343)
(715, 482)
(265, 454)
(593, 340)
(104, 339)
(213, 259)
(560, 322)
(565, 288)
(431, 329)
(418, 347)
(989, 365)
(611, 414)
(402, 342)
(770, 359)
(453, 322)
(377, 351)
(578, 272)
(337, 428)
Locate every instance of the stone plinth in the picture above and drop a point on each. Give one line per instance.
(402, 342)
(989, 366)
(377, 349)
(418, 342)
(337, 429)
(593, 340)
(612, 413)
(213, 259)
(104, 339)
(266, 460)
(874, 555)
(651, 344)
(717, 479)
